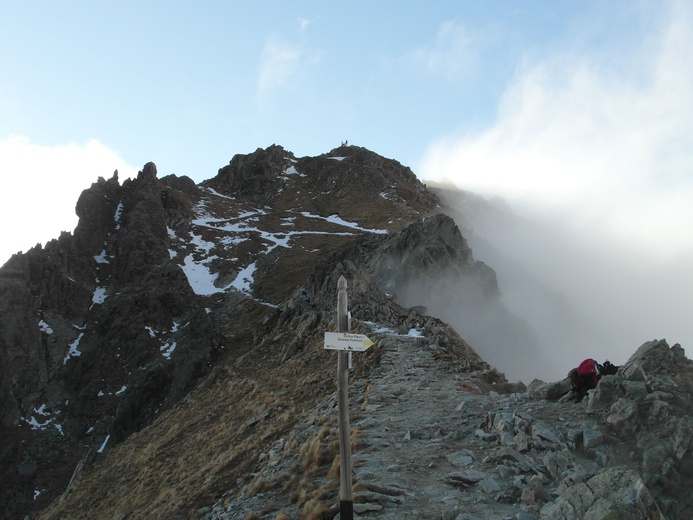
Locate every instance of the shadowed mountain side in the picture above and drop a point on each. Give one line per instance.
(88, 324)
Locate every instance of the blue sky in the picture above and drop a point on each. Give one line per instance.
(189, 84)
(576, 111)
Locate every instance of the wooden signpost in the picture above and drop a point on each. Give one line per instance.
(344, 343)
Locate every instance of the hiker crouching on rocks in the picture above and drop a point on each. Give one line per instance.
(587, 375)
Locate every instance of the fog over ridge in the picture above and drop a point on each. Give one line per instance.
(592, 161)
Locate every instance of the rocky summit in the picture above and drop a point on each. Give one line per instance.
(166, 360)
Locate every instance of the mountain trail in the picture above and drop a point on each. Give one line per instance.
(417, 451)
(433, 440)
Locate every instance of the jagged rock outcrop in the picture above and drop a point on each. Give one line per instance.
(95, 209)
(641, 421)
(425, 257)
(84, 320)
(431, 265)
(256, 177)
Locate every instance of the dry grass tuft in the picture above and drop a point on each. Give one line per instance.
(314, 509)
(334, 470)
(318, 450)
(259, 485)
(366, 397)
(333, 473)
(354, 439)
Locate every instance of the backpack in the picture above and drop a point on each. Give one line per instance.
(584, 378)
(588, 373)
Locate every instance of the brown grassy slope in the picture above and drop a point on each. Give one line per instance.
(194, 455)
(195, 452)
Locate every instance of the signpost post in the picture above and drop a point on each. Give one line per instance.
(344, 343)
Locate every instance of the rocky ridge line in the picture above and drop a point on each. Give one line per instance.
(434, 442)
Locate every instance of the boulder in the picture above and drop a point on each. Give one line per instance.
(538, 389)
(612, 493)
(623, 417)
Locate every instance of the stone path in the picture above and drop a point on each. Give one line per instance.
(417, 454)
(429, 444)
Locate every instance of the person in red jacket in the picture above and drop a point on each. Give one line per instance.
(586, 376)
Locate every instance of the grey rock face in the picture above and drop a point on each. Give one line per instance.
(255, 177)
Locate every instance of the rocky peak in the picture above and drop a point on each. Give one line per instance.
(147, 172)
(95, 209)
(276, 178)
(352, 169)
(431, 245)
(255, 177)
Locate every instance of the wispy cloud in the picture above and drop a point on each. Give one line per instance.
(283, 61)
(453, 54)
(303, 24)
(280, 61)
(41, 184)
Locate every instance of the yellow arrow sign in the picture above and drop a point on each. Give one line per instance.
(346, 341)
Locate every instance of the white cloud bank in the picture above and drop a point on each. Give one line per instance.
(40, 186)
(598, 153)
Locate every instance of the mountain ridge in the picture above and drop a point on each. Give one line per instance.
(176, 307)
(105, 315)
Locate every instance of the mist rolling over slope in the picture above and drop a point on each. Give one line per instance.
(474, 306)
(592, 156)
(582, 293)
